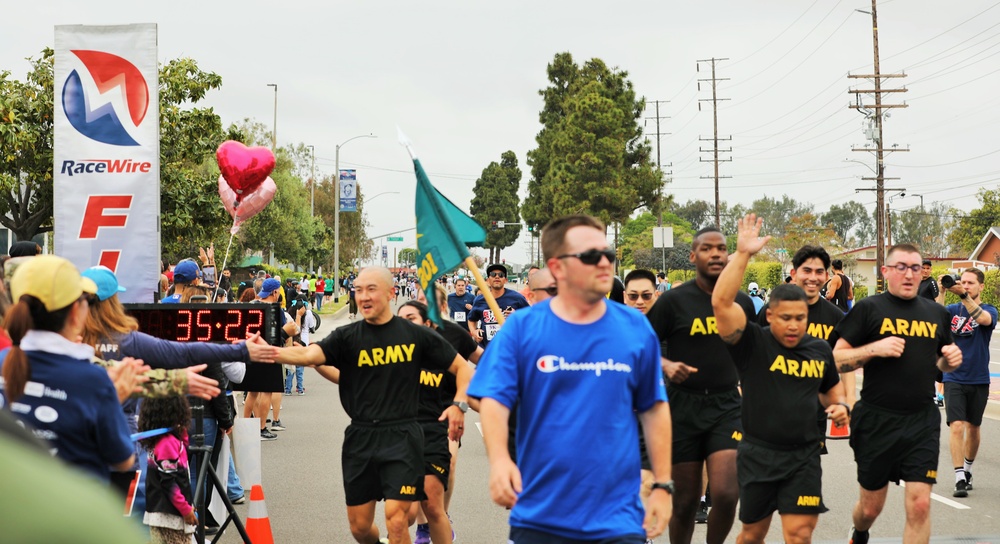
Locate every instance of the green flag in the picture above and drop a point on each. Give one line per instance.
(444, 234)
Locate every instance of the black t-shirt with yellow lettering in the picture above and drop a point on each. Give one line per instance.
(781, 385)
(823, 319)
(684, 322)
(438, 387)
(380, 366)
(906, 383)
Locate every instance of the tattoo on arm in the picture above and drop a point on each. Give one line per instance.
(846, 367)
(733, 337)
(974, 314)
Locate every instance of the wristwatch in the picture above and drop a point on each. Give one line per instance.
(666, 486)
(462, 405)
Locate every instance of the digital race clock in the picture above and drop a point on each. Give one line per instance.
(219, 322)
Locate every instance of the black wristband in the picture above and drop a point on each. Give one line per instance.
(667, 486)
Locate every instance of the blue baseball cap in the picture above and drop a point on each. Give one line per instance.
(268, 287)
(104, 278)
(186, 272)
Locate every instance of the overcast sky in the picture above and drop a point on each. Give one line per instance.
(462, 80)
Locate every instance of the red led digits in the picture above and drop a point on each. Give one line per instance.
(200, 325)
(184, 326)
(233, 329)
(254, 327)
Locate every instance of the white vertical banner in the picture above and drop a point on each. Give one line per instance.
(106, 174)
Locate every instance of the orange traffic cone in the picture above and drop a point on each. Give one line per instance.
(833, 432)
(258, 524)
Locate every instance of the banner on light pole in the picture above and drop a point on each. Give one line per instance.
(348, 190)
(106, 154)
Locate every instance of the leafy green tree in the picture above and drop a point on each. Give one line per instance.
(636, 243)
(852, 223)
(496, 200)
(777, 213)
(699, 213)
(407, 256)
(26, 149)
(973, 225)
(591, 155)
(927, 228)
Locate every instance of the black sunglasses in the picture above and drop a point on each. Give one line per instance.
(592, 256)
(635, 296)
(497, 275)
(552, 291)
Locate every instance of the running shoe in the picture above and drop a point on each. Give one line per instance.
(961, 489)
(701, 516)
(267, 435)
(277, 426)
(423, 534)
(858, 537)
(239, 500)
(302, 393)
(968, 479)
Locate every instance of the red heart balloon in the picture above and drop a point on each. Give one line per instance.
(244, 168)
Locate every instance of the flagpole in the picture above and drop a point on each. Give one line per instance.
(484, 289)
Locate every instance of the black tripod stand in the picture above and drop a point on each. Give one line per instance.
(206, 469)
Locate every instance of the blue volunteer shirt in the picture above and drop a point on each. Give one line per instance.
(482, 313)
(974, 341)
(72, 405)
(456, 308)
(576, 388)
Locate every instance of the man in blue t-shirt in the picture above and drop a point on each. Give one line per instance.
(577, 387)
(482, 323)
(460, 302)
(967, 389)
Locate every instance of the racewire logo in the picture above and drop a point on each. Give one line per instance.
(98, 117)
(552, 363)
(104, 166)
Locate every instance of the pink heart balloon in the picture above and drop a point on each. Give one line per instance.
(252, 203)
(244, 168)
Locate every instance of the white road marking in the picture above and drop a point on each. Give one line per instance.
(954, 504)
(480, 427)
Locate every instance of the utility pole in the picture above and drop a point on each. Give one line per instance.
(875, 115)
(715, 131)
(659, 195)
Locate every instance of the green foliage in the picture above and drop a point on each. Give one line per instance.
(852, 223)
(407, 257)
(860, 292)
(991, 288)
(496, 200)
(972, 226)
(636, 243)
(766, 274)
(26, 139)
(778, 214)
(591, 155)
(680, 275)
(924, 228)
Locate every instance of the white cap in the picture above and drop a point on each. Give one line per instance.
(752, 286)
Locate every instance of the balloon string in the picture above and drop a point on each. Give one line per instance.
(225, 259)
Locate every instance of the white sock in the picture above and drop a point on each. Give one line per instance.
(967, 466)
(959, 475)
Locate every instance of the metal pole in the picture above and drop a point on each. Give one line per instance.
(312, 195)
(274, 127)
(336, 222)
(880, 226)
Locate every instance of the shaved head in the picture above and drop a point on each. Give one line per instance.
(377, 274)
(541, 278)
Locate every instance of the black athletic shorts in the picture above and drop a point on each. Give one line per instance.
(521, 535)
(643, 454)
(891, 446)
(383, 462)
(821, 421)
(787, 480)
(704, 422)
(437, 456)
(965, 402)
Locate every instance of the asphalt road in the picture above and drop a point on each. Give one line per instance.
(305, 499)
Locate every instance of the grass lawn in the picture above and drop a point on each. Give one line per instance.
(331, 307)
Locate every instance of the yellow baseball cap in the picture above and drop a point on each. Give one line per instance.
(52, 280)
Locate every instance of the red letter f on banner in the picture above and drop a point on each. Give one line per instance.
(94, 217)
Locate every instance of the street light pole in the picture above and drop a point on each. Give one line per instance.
(367, 200)
(336, 212)
(274, 127)
(312, 195)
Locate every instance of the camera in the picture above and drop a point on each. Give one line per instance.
(949, 281)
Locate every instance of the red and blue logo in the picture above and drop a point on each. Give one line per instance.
(96, 117)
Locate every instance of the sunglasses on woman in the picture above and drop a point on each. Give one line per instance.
(592, 256)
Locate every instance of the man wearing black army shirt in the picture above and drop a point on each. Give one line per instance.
(379, 361)
(704, 400)
(783, 371)
(809, 271)
(903, 340)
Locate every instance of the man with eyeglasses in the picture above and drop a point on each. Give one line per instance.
(903, 340)
(541, 286)
(562, 363)
(640, 290)
(482, 323)
(704, 400)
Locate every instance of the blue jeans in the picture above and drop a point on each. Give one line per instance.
(299, 374)
(319, 301)
(233, 487)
